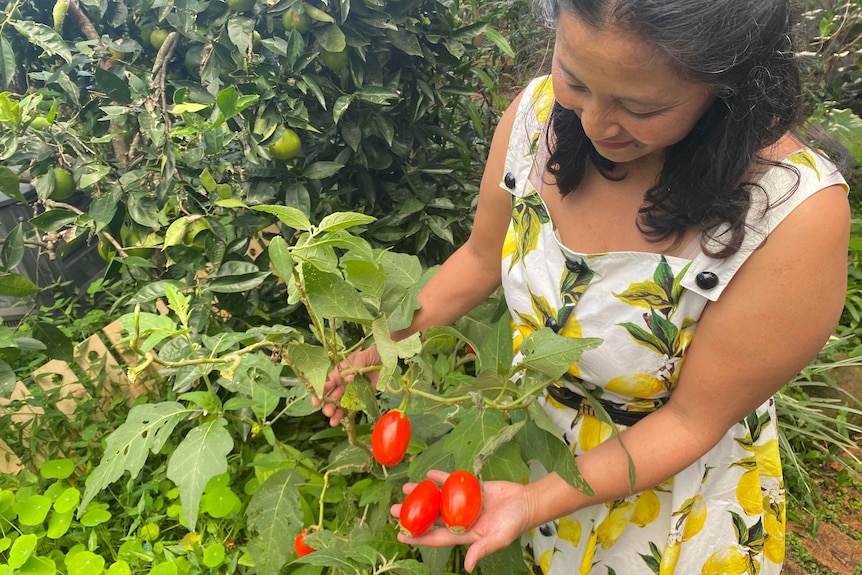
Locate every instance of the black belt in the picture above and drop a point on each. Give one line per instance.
(574, 400)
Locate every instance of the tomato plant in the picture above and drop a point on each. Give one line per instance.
(460, 501)
(420, 509)
(390, 438)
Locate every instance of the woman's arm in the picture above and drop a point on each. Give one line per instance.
(770, 321)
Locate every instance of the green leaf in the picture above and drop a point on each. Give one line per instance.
(58, 344)
(21, 550)
(9, 184)
(119, 568)
(403, 270)
(33, 510)
(220, 502)
(7, 69)
(279, 255)
(68, 500)
(540, 440)
(13, 248)
(320, 170)
(275, 514)
(85, 563)
(552, 354)
(214, 555)
(58, 524)
(499, 41)
(237, 283)
(290, 217)
(57, 468)
(329, 296)
(312, 362)
(471, 435)
(344, 220)
(37, 565)
(16, 285)
(146, 429)
(495, 351)
(201, 455)
(44, 37)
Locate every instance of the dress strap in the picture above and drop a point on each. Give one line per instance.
(530, 119)
(770, 205)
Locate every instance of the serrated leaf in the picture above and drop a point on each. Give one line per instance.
(552, 354)
(540, 440)
(471, 435)
(329, 296)
(275, 514)
(312, 362)
(199, 457)
(146, 429)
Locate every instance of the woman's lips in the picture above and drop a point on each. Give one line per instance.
(612, 145)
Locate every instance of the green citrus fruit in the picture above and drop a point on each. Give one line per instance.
(64, 185)
(158, 37)
(240, 5)
(287, 146)
(40, 123)
(296, 19)
(335, 61)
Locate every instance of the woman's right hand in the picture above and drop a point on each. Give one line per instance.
(333, 390)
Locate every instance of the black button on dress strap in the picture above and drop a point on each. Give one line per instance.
(509, 180)
(552, 323)
(706, 280)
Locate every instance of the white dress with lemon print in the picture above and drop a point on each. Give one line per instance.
(725, 514)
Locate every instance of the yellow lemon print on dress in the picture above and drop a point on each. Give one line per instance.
(669, 559)
(510, 244)
(748, 493)
(773, 547)
(569, 530)
(544, 98)
(647, 508)
(729, 561)
(593, 432)
(612, 526)
(636, 385)
(589, 553)
(768, 457)
(695, 519)
(545, 560)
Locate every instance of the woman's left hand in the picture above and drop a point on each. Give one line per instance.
(505, 516)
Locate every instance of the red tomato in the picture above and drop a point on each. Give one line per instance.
(470, 349)
(420, 509)
(390, 438)
(460, 501)
(299, 545)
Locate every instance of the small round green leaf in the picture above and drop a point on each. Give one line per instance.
(59, 524)
(21, 550)
(33, 510)
(95, 517)
(68, 500)
(220, 502)
(5, 543)
(164, 569)
(38, 566)
(85, 563)
(119, 568)
(214, 555)
(7, 499)
(57, 468)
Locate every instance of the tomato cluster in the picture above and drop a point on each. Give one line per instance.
(459, 503)
(390, 438)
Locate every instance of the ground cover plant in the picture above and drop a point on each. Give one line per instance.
(269, 184)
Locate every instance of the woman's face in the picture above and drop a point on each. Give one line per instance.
(633, 105)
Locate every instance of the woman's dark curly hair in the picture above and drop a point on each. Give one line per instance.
(740, 48)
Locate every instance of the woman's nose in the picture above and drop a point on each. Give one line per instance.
(599, 121)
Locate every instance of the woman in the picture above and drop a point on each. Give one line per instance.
(651, 193)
